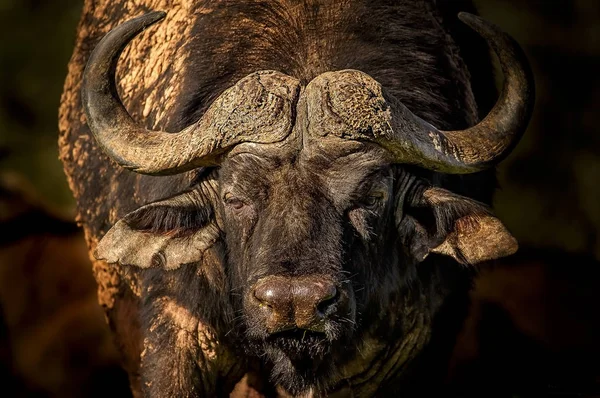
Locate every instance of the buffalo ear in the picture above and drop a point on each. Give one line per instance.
(167, 233)
(127, 246)
(475, 239)
(439, 221)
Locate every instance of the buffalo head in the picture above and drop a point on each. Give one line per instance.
(317, 192)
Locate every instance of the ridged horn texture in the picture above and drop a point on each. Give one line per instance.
(256, 109)
(350, 104)
(491, 140)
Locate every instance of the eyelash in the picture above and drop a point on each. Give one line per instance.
(373, 199)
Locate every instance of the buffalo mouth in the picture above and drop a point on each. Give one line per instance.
(300, 344)
(299, 360)
(299, 347)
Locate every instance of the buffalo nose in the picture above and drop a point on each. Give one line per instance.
(301, 302)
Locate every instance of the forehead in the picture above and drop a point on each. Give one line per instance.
(331, 159)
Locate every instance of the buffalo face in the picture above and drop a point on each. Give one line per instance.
(290, 223)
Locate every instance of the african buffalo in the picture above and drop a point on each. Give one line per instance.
(266, 194)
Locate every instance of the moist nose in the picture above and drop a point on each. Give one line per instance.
(295, 302)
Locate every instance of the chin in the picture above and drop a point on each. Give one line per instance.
(301, 362)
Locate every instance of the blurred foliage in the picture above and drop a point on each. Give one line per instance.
(550, 185)
(37, 42)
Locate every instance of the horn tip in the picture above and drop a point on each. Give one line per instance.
(159, 14)
(154, 16)
(468, 18)
(480, 25)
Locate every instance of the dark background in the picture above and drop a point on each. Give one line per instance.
(549, 194)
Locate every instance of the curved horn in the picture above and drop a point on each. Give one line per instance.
(256, 109)
(492, 139)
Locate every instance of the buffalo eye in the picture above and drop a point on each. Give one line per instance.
(373, 200)
(233, 202)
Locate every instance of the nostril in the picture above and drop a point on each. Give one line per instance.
(264, 296)
(328, 301)
(272, 292)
